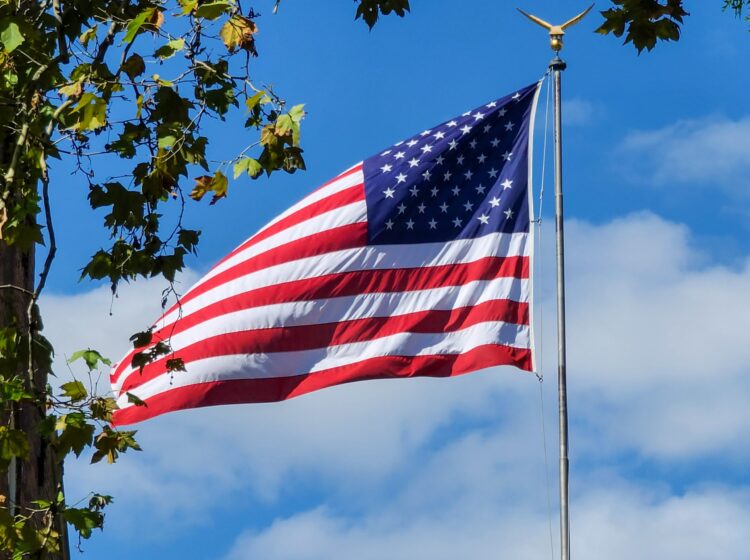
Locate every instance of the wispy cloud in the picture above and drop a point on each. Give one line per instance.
(435, 468)
(710, 152)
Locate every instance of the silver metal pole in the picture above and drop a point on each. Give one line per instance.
(557, 66)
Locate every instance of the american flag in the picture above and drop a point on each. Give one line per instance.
(414, 262)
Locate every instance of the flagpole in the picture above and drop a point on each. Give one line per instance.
(557, 66)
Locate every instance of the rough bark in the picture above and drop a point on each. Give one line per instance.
(39, 476)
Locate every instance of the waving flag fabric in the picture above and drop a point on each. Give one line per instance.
(414, 262)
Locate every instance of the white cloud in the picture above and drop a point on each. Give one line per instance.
(580, 112)
(709, 152)
(657, 366)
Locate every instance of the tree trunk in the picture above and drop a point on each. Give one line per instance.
(39, 476)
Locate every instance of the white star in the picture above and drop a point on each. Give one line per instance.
(457, 222)
(398, 155)
(468, 206)
(411, 143)
(444, 208)
(507, 155)
(491, 105)
(413, 162)
(484, 218)
(468, 175)
(386, 168)
(509, 126)
(410, 224)
(466, 114)
(414, 190)
(426, 175)
(466, 129)
(433, 223)
(508, 213)
(421, 208)
(452, 123)
(401, 208)
(388, 193)
(400, 178)
(481, 158)
(502, 112)
(495, 202)
(385, 153)
(440, 160)
(434, 191)
(517, 96)
(480, 189)
(460, 160)
(439, 135)
(389, 224)
(399, 143)
(507, 184)
(453, 144)
(456, 191)
(478, 116)
(473, 144)
(447, 176)
(425, 133)
(495, 142)
(487, 127)
(493, 172)
(426, 148)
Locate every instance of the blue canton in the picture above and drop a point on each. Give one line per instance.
(462, 179)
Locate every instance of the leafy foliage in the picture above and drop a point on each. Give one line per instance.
(370, 10)
(123, 89)
(646, 22)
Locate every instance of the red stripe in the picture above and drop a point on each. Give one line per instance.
(278, 389)
(349, 284)
(336, 200)
(349, 236)
(307, 337)
(337, 239)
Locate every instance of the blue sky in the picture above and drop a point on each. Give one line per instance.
(656, 177)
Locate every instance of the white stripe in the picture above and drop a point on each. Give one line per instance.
(376, 257)
(353, 213)
(287, 364)
(335, 310)
(335, 186)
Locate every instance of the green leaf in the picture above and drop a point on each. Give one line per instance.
(135, 25)
(213, 10)
(91, 357)
(250, 165)
(297, 113)
(258, 98)
(110, 443)
(76, 434)
(84, 520)
(217, 184)
(170, 49)
(13, 443)
(10, 34)
(74, 390)
(134, 66)
(88, 35)
(137, 401)
(91, 111)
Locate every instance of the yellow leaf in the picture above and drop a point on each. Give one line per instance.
(239, 32)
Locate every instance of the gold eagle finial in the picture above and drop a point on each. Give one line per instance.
(556, 32)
